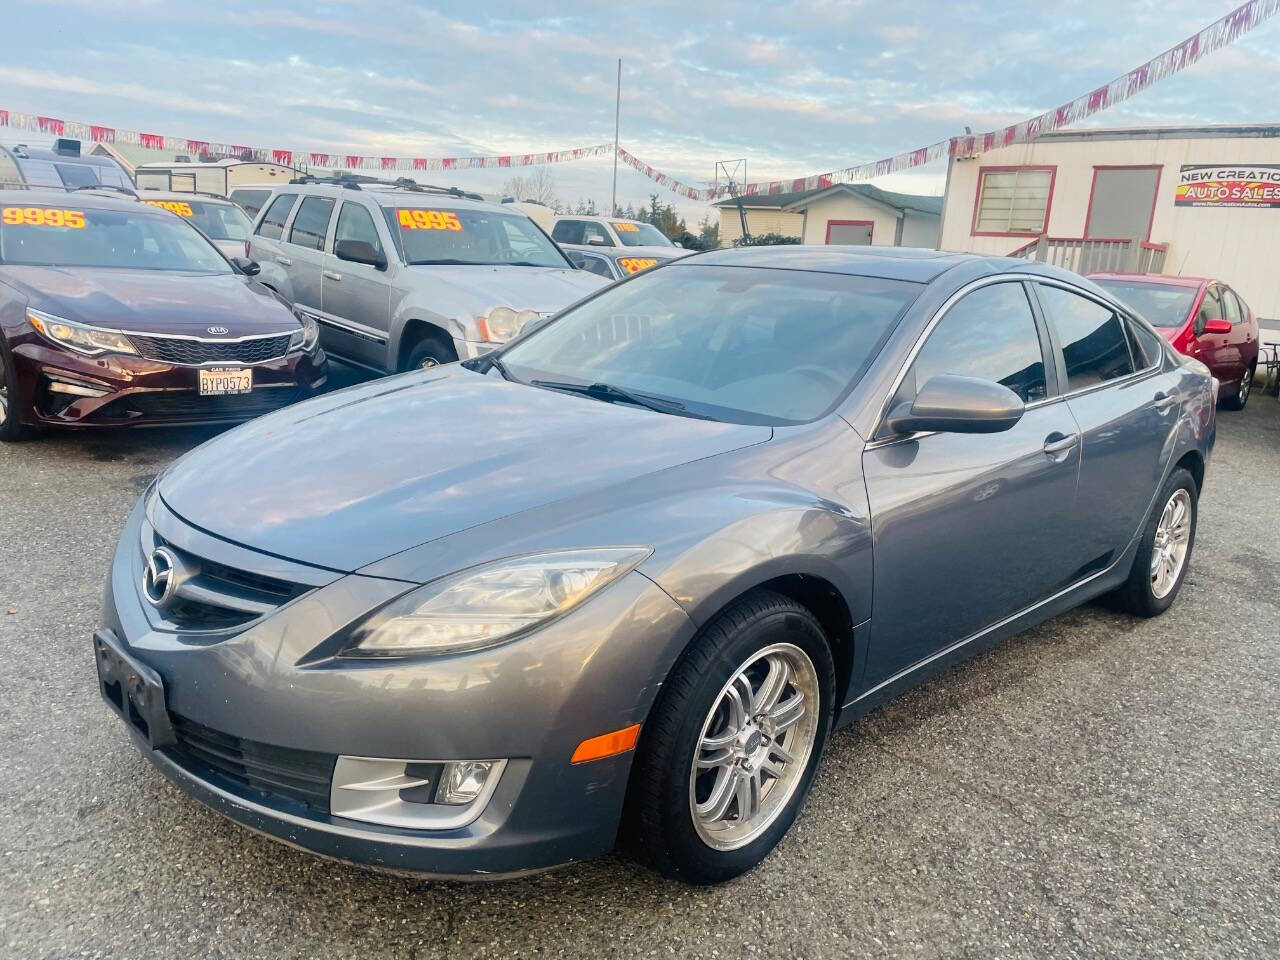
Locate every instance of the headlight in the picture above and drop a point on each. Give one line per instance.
(77, 336)
(490, 604)
(307, 337)
(503, 323)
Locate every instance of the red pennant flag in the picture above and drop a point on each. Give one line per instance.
(151, 141)
(388, 163)
(4, 118)
(320, 160)
(283, 157)
(420, 163)
(102, 134)
(198, 147)
(448, 163)
(353, 162)
(244, 153)
(51, 125)
(504, 161)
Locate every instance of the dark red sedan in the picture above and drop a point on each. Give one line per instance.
(114, 313)
(1202, 318)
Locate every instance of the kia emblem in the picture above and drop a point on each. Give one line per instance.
(218, 331)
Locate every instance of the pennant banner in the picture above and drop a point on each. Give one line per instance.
(1195, 48)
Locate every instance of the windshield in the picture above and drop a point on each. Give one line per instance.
(745, 345)
(217, 221)
(478, 237)
(73, 237)
(1162, 304)
(640, 234)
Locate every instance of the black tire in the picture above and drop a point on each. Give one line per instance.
(1238, 399)
(12, 428)
(658, 824)
(1138, 595)
(431, 351)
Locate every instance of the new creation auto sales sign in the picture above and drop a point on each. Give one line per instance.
(1200, 185)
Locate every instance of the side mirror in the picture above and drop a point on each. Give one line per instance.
(595, 240)
(360, 251)
(1217, 325)
(951, 404)
(249, 268)
(578, 260)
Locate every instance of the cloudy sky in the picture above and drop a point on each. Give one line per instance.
(795, 87)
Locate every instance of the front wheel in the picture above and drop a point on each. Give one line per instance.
(11, 426)
(1164, 555)
(733, 742)
(1237, 400)
(430, 351)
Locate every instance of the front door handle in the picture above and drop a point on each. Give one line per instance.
(284, 260)
(1057, 445)
(1163, 401)
(330, 275)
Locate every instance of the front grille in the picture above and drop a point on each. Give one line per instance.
(261, 769)
(189, 405)
(189, 351)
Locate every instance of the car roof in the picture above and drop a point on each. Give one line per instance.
(87, 199)
(181, 196)
(391, 196)
(891, 263)
(1153, 278)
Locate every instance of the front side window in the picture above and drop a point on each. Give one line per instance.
(272, 225)
(70, 236)
(1230, 308)
(989, 334)
(77, 175)
(568, 231)
(596, 265)
(640, 234)
(1013, 201)
(312, 222)
(739, 344)
(480, 237)
(1091, 336)
(356, 223)
(1210, 308)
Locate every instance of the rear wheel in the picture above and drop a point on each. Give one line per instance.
(1238, 399)
(431, 351)
(733, 743)
(1164, 554)
(11, 426)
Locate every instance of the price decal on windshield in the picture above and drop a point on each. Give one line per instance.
(626, 227)
(428, 220)
(636, 264)
(181, 208)
(42, 217)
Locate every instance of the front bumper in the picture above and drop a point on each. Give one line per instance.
(132, 391)
(529, 702)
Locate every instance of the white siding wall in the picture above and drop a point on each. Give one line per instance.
(920, 230)
(1237, 245)
(758, 222)
(847, 207)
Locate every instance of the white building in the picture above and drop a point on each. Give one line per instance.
(846, 213)
(1195, 201)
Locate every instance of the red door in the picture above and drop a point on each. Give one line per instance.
(1215, 350)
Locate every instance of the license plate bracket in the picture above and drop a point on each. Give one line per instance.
(132, 689)
(225, 381)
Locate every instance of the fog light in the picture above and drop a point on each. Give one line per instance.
(463, 781)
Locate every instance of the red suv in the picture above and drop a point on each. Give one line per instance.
(1202, 318)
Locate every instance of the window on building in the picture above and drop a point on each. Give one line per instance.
(1013, 201)
(1091, 336)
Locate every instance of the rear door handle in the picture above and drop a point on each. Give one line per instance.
(1163, 401)
(284, 260)
(330, 275)
(1057, 445)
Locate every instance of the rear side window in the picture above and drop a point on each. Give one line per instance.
(989, 334)
(597, 265)
(77, 175)
(312, 222)
(1091, 336)
(1146, 344)
(272, 225)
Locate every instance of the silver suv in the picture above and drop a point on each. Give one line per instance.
(400, 276)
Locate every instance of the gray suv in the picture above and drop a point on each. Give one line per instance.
(399, 276)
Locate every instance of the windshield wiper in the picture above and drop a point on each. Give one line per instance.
(495, 363)
(611, 394)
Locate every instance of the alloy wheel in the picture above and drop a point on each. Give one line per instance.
(1173, 538)
(1246, 384)
(4, 394)
(754, 746)
(428, 362)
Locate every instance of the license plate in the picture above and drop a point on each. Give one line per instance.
(220, 381)
(132, 689)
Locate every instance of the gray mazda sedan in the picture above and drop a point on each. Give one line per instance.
(616, 583)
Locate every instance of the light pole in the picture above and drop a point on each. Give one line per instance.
(617, 112)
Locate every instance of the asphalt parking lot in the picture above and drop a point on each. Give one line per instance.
(1099, 786)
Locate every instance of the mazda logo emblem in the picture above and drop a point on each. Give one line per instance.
(218, 331)
(160, 578)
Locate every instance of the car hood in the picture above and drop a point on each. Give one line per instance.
(544, 289)
(356, 476)
(151, 301)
